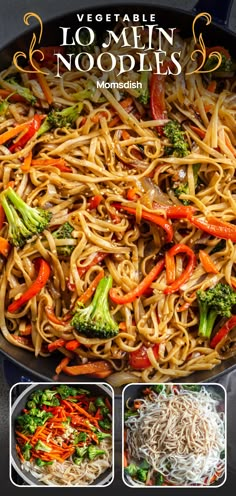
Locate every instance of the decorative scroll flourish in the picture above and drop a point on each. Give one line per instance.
(202, 48)
(29, 56)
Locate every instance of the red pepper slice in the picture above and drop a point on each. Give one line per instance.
(223, 331)
(157, 95)
(2, 216)
(58, 343)
(176, 285)
(215, 227)
(35, 288)
(32, 129)
(139, 360)
(141, 288)
(94, 201)
(156, 219)
(72, 345)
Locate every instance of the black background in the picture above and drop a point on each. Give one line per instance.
(11, 24)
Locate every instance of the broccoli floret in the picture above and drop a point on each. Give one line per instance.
(41, 446)
(77, 460)
(99, 402)
(64, 391)
(64, 232)
(92, 408)
(130, 413)
(36, 396)
(105, 424)
(5, 104)
(226, 65)
(159, 479)
(95, 319)
(30, 404)
(26, 451)
(42, 463)
(158, 388)
(84, 40)
(192, 387)
(29, 422)
(93, 452)
(60, 118)
(81, 451)
(142, 474)
(214, 302)
(23, 220)
(15, 87)
(176, 136)
(183, 188)
(131, 470)
(143, 92)
(81, 437)
(48, 398)
(102, 435)
(104, 411)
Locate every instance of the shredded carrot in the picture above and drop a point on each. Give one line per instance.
(19, 434)
(4, 137)
(132, 194)
(122, 326)
(207, 263)
(25, 167)
(63, 363)
(91, 289)
(212, 86)
(170, 268)
(125, 459)
(44, 84)
(60, 163)
(10, 184)
(125, 135)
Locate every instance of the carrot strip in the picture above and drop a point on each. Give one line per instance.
(63, 363)
(125, 135)
(91, 289)
(25, 167)
(26, 331)
(212, 86)
(100, 369)
(170, 268)
(19, 434)
(198, 131)
(44, 84)
(59, 163)
(72, 345)
(11, 133)
(4, 247)
(207, 263)
(132, 194)
(229, 145)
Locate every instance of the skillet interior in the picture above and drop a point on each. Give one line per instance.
(167, 17)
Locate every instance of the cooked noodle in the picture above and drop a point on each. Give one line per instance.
(105, 161)
(181, 435)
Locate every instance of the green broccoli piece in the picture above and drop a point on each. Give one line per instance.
(84, 40)
(131, 470)
(29, 423)
(23, 220)
(102, 435)
(77, 460)
(214, 302)
(142, 474)
(26, 451)
(64, 232)
(130, 413)
(81, 437)
(48, 398)
(183, 188)
(144, 464)
(60, 118)
(36, 396)
(143, 92)
(42, 463)
(158, 388)
(226, 65)
(81, 451)
(105, 411)
(99, 402)
(192, 387)
(30, 404)
(176, 136)
(92, 408)
(93, 452)
(5, 104)
(159, 479)
(64, 391)
(105, 424)
(15, 87)
(95, 320)
(41, 446)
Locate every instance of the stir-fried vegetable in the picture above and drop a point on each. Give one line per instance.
(214, 302)
(60, 118)
(178, 145)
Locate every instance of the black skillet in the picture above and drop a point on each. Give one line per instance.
(217, 33)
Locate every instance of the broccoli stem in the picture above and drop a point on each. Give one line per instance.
(207, 320)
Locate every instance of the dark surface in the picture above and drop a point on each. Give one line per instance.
(11, 24)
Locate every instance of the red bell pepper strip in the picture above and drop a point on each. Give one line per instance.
(32, 129)
(157, 95)
(220, 49)
(179, 212)
(58, 343)
(223, 331)
(139, 360)
(141, 288)
(156, 219)
(42, 277)
(72, 345)
(215, 227)
(94, 201)
(176, 285)
(2, 216)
